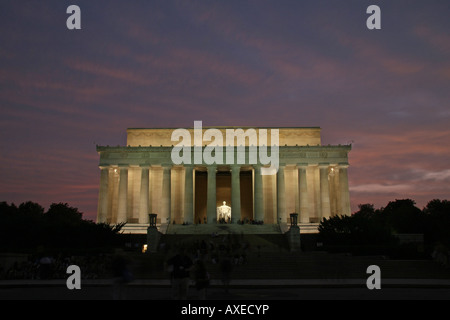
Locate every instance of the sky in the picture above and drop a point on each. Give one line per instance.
(145, 64)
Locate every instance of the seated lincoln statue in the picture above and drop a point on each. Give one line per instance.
(224, 213)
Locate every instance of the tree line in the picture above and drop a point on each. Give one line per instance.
(378, 229)
(29, 227)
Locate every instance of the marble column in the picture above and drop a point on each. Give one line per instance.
(165, 197)
(211, 196)
(122, 206)
(303, 193)
(258, 196)
(324, 192)
(144, 196)
(235, 193)
(188, 194)
(344, 190)
(281, 195)
(102, 214)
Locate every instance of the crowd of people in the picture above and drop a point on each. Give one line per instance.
(250, 221)
(50, 267)
(189, 264)
(225, 221)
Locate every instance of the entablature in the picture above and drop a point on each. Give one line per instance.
(155, 155)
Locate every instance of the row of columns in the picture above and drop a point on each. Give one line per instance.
(188, 194)
(304, 207)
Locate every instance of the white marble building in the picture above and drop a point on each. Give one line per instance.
(141, 178)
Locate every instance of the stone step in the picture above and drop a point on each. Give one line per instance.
(309, 265)
(253, 242)
(221, 229)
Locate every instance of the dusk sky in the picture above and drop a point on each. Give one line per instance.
(145, 64)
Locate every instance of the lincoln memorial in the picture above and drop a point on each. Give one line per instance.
(309, 178)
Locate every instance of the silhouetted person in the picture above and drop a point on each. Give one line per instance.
(226, 267)
(122, 276)
(45, 267)
(201, 278)
(180, 265)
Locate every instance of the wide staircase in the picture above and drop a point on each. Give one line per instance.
(221, 229)
(314, 265)
(266, 256)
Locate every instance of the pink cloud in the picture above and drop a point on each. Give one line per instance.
(434, 37)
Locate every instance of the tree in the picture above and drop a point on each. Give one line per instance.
(363, 232)
(366, 210)
(364, 227)
(7, 210)
(437, 215)
(61, 228)
(31, 209)
(62, 213)
(402, 216)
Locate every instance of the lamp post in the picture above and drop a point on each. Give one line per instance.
(294, 218)
(153, 235)
(294, 233)
(152, 219)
